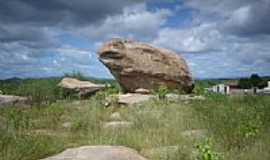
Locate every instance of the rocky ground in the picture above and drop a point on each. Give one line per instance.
(139, 128)
(177, 127)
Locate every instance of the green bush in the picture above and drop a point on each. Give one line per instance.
(161, 92)
(206, 151)
(253, 81)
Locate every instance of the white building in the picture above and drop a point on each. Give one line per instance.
(266, 90)
(220, 88)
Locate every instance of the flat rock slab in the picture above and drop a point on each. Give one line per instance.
(164, 152)
(117, 125)
(133, 98)
(10, 100)
(82, 88)
(184, 97)
(98, 153)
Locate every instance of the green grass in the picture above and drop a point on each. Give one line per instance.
(45, 91)
(237, 128)
(40, 91)
(238, 125)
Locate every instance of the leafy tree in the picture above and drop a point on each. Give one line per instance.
(255, 80)
(262, 84)
(244, 83)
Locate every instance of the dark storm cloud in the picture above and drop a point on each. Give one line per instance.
(53, 12)
(27, 21)
(30, 36)
(29, 29)
(241, 17)
(250, 19)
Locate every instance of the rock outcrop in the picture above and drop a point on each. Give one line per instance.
(137, 65)
(98, 153)
(134, 98)
(82, 88)
(10, 100)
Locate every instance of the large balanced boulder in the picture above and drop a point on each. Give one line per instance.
(82, 88)
(98, 153)
(137, 65)
(10, 100)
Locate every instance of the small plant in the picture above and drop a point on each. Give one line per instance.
(162, 91)
(108, 96)
(18, 121)
(206, 151)
(199, 89)
(250, 129)
(54, 113)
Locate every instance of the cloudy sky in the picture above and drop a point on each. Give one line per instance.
(218, 38)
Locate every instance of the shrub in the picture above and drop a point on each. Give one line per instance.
(254, 81)
(161, 92)
(206, 151)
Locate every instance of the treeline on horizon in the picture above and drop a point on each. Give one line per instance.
(253, 81)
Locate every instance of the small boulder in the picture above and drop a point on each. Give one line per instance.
(67, 125)
(98, 153)
(10, 100)
(82, 88)
(115, 116)
(133, 98)
(142, 91)
(113, 125)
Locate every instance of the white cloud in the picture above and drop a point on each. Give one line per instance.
(135, 23)
(202, 38)
(219, 54)
(77, 55)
